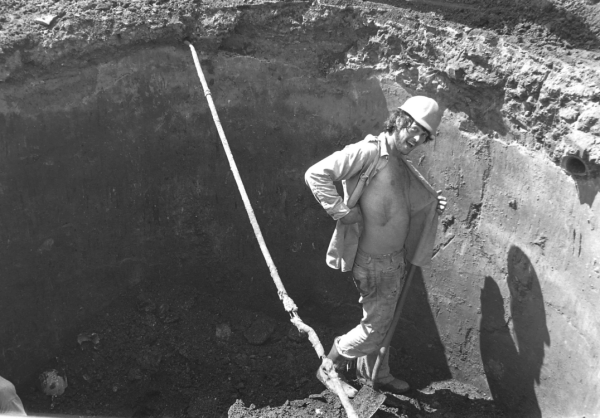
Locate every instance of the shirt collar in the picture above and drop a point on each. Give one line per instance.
(383, 149)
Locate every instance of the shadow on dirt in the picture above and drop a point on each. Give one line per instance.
(420, 356)
(553, 25)
(439, 402)
(513, 367)
(588, 189)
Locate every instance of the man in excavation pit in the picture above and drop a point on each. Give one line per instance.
(395, 219)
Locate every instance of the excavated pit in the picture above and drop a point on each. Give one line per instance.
(130, 267)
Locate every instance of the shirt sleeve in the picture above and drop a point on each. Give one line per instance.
(340, 165)
(10, 403)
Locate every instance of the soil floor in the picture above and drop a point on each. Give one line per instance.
(172, 350)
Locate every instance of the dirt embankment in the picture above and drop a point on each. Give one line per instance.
(537, 60)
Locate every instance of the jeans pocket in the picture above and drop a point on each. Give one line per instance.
(362, 280)
(394, 268)
(391, 279)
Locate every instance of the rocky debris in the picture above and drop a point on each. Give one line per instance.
(589, 120)
(503, 89)
(223, 332)
(104, 6)
(260, 330)
(318, 396)
(569, 115)
(52, 383)
(237, 410)
(46, 20)
(88, 337)
(535, 93)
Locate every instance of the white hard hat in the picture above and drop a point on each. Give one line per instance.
(425, 111)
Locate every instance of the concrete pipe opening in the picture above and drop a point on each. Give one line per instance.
(574, 165)
(130, 271)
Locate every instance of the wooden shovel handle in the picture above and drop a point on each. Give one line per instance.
(388, 337)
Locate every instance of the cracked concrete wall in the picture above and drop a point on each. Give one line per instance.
(508, 302)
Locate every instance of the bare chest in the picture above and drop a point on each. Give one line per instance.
(386, 197)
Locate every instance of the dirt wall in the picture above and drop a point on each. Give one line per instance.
(520, 245)
(115, 174)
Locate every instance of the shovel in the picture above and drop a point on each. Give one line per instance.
(368, 399)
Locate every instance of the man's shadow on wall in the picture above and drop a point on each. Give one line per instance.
(513, 356)
(588, 189)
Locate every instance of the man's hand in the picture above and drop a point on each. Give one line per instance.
(354, 216)
(441, 206)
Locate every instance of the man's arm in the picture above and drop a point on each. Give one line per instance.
(340, 165)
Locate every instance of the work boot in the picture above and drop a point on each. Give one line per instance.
(396, 386)
(339, 362)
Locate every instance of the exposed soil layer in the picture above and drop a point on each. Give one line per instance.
(565, 29)
(474, 45)
(544, 27)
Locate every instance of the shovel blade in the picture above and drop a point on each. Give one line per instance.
(367, 401)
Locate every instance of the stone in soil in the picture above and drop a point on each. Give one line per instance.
(260, 330)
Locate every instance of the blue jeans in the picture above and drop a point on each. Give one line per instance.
(379, 280)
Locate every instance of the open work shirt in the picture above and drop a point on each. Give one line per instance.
(346, 166)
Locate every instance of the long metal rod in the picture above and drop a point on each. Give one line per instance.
(288, 303)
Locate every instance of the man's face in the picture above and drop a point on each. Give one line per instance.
(407, 139)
